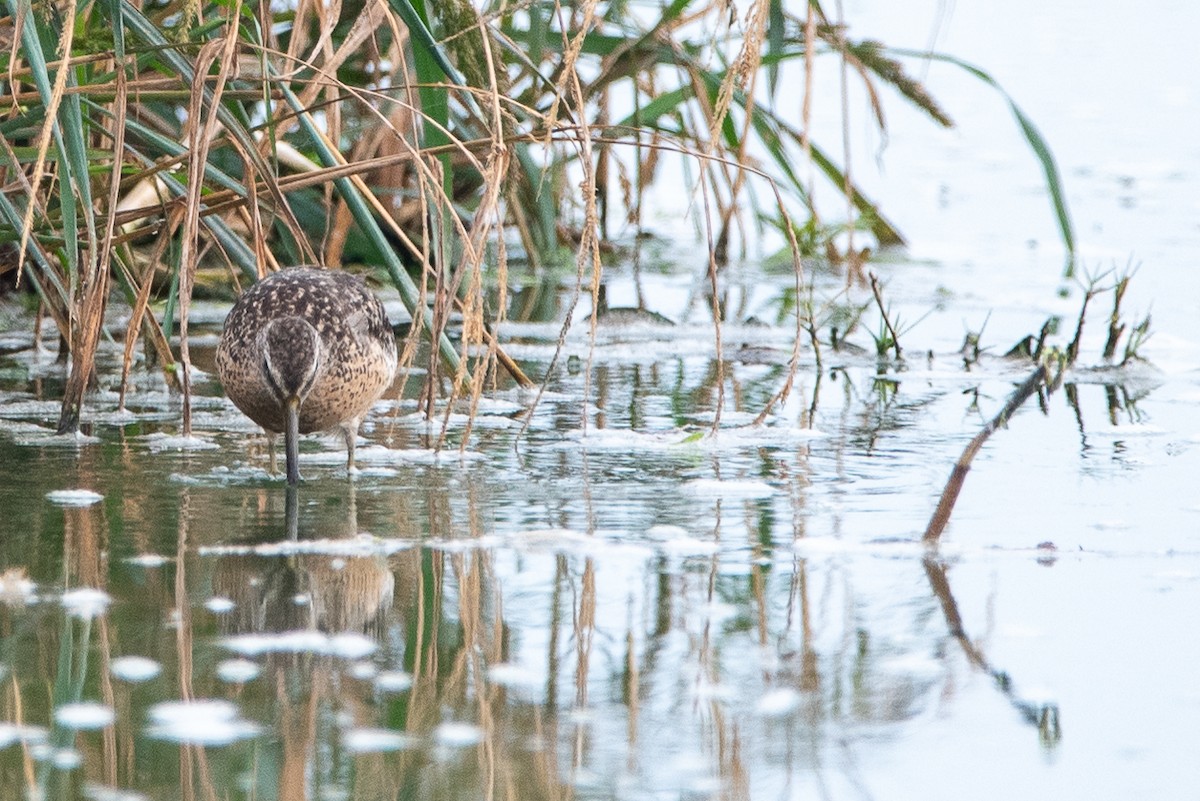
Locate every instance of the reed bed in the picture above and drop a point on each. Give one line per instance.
(151, 151)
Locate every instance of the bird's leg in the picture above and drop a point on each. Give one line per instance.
(350, 431)
(271, 450)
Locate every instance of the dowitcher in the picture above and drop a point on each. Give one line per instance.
(305, 350)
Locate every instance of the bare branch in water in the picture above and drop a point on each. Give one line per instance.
(941, 515)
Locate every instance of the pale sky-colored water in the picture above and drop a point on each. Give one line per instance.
(764, 587)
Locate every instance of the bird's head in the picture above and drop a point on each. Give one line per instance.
(291, 358)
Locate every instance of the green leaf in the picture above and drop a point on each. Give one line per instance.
(1032, 135)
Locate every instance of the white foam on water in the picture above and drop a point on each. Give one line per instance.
(674, 439)
(85, 716)
(362, 670)
(666, 533)
(102, 792)
(689, 546)
(238, 671)
(393, 681)
(41, 410)
(65, 758)
(74, 497)
(160, 443)
(360, 545)
(513, 675)
(48, 439)
(690, 440)
(463, 544)
(134, 669)
(1127, 431)
(16, 587)
(148, 560)
(371, 741)
(199, 722)
(348, 645)
(380, 455)
(219, 605)
(778, 703)
(11, 733)
(86, 602)
(730, 489)
(457, 735)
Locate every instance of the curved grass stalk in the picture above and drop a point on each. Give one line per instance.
(1037, 143)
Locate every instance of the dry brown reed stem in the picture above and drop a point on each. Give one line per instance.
(847, 180)
(941, 515)
(810, 36)
(1073, 347)
(202, 129)
(434, 242)
(715, 303)
(225, 199)
(572, 48)
(17, 715)
(470, 302)
(1115, 327)
(91, 292)
(114, 181)
(163, 89)
(489, 210)
(42, 144)
(141, 316)
(589, 250)
(745, 73)
(365, 26)
(15, 73)
(804, 322)
(92, 296)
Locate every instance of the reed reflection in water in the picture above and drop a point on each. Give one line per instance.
(417, 641)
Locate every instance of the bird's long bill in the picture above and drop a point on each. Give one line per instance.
(291, 440)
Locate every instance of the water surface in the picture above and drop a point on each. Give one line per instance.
(614, 602)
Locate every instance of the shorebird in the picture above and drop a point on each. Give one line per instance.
(305, 350)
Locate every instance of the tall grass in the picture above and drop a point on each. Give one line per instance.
(146, 145)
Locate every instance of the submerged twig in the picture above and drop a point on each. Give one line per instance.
(941, 515)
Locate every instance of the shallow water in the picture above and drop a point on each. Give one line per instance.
(635, 608)
(617, 604)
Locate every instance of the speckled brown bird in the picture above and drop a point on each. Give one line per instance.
(305, 350)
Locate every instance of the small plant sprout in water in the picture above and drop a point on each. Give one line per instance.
(887, 335)
(972, 348)
(1138, 334)
(1137, 337)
